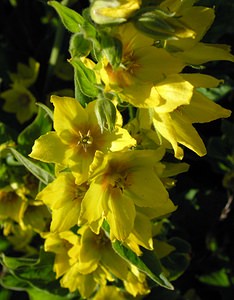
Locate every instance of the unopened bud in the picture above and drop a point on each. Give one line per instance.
(106, 114)
(161, 25)
(113, 11)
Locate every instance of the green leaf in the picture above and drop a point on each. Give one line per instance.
(37, 171)
(38, 294)
(9, 281)
(112, 49)
(219, 278)
(5, 294)
(84, 78)
(13, 263)
(4, 244)
(216, 94)
(40, 273)
(178, 260)
(6, 134)
(79, 46)
(47, 110)
(148, 264)
(71, 20)
(24, 273)
(41, 125)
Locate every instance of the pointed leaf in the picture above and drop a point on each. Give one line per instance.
(112, 48)
(72, 20)
(46, 109)
(84, 78)
(148, 264)
(41, 125)
(37, 171)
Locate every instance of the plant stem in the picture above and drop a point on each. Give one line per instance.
(54, 55)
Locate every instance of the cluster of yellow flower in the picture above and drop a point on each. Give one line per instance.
(111, 181)
(19, 99)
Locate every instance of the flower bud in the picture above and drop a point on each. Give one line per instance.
(106, 114)
(161, 25)
(113, 11)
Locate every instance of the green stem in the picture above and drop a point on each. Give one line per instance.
(54, 55)
(131, 112)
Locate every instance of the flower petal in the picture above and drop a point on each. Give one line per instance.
(49, 148)
(202, 53)
(121, 216)
(202, 110)
(187, 135)
(68, 116)
(174, 91)
(92, 209)
(147, 189)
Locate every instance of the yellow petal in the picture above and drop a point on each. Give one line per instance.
(147, 189)
(202, 53)
(49, 148)
(114, 263)
(121, 216)
(94, 198)
(164, 125)
(173, 92)
(187, 135)
(141, 234)
(90, 254)
(202, 80)
(202, 110)
(122, 140)
(69, 116)
(66, 217)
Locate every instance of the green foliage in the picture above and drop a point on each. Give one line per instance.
(71, 19)
(148, 264)
(44, 176)
(84, 78)
(200, 232)
(34, 276)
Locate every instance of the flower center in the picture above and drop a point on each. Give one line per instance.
(102, 240)
(24, 99)
(129, 63)
(80, 192)
(119, 182)
(85, 140)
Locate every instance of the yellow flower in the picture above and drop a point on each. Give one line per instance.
(199, 19)
(12, 206)
(96, 250)
(120, 183)
(95, 263)
(113, 11)
(63, 197)
(76, 137)
(136, 283)
(139, 78)
(112, 292)
(60, 243)
(19, 100)
(26, 74)
(176, 126)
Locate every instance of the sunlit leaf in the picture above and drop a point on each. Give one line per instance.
(148, 264)
(84, 78)
(37, 171)
(71, 20)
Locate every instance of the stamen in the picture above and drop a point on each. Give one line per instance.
(85, 140)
